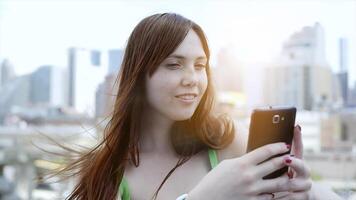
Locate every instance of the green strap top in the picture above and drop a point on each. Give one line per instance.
(124, 187)
(124, 190)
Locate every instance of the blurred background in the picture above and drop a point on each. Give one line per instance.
(59, 61)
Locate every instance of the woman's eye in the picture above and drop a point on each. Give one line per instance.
(173, 65)
(200, 66)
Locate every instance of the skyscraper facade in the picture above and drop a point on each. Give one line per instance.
(302, 76)
(6, 72)
(87, 69)
(49, 86)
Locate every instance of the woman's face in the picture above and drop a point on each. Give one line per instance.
(175, 89)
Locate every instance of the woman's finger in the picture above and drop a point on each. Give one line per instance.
(280, 194)
(297, 144)
(295, 196)
(263, 197)
(299, 167)
(263, 153)
(283, 184)
(270, 166)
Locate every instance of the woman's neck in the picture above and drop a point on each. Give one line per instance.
(154, 134)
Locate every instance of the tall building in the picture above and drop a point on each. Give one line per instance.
(87, 69)
(106, 91)
(311, 123)
(115, 60)
(343, 73)
(305, 47)
(301, 76)
(306, 87)
(49, 87)
(38, 91)
(6, 72)
(337, 130)
(105, 96)
(14, 94)
(352, 96)
(100, 100)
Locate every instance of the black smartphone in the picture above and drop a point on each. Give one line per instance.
(271, 125)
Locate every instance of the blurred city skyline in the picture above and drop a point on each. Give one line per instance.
(59, 62)
(255, 31)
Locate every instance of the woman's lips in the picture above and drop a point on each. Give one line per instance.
(187, 98)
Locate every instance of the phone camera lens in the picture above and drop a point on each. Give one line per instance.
(275, 119)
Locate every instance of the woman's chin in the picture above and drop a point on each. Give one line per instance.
(182, 116)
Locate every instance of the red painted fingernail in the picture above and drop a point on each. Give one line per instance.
(288, 160)
(288, 146)
(290, 175)
(300, 128)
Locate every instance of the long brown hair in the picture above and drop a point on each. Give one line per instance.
(100, 170)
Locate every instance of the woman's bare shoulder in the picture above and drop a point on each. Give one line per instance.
(238, 146)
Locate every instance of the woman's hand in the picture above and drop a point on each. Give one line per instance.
(299, 173)
(300, 177)
(241, 178)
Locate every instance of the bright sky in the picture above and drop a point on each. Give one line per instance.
(33, 33)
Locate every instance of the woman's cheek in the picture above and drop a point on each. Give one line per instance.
(203, 83)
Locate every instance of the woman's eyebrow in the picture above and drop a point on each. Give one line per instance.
(182, 57)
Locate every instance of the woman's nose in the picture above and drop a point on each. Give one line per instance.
(190, 77)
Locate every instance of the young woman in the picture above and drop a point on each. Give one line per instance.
(164, 142)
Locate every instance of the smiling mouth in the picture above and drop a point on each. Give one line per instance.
(187, 97)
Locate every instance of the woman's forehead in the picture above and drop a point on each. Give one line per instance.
(190, 47)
